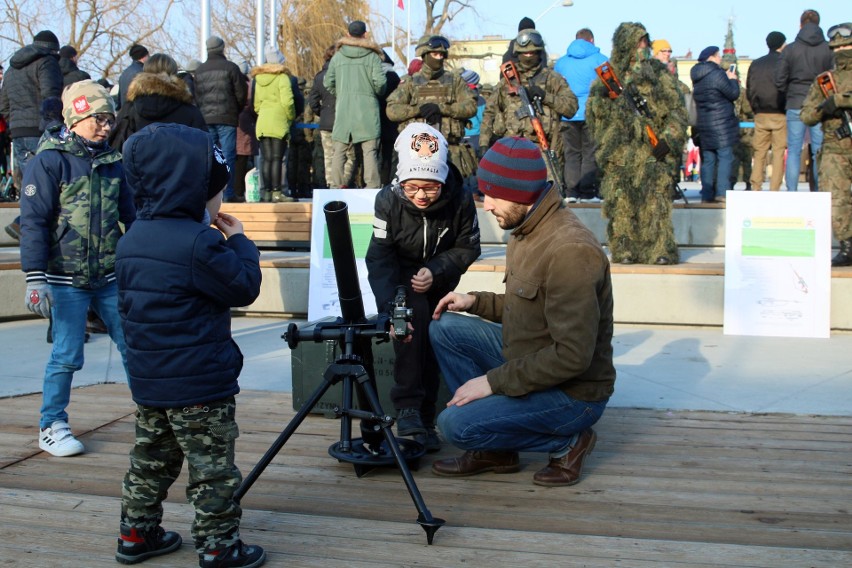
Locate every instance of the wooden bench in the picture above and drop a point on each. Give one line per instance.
(275, 225)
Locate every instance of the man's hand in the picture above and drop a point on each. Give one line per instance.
(422, 281)
(431, 112)
(409, 337)
(453, 302)
(472, 390)
(38, 299)
(535, 92)
(829, 106)
(228, 224)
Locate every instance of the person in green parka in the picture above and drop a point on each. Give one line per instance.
(275, 108)
(356, 78)
(636, 174)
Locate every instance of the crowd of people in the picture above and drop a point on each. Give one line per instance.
(111, 222)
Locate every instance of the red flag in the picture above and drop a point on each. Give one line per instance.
(400, 5)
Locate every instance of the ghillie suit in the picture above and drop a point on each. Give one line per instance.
(635, 185)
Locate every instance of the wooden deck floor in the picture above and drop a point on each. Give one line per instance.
(696, 489)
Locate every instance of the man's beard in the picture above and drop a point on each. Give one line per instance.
(513, 217)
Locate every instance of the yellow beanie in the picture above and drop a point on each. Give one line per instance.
(660, 44)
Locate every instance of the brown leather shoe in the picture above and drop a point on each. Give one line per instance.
(566, 470)
(475, 461)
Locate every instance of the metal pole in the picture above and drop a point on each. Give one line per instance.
(273, 25)
(205, 29)
(258, 32)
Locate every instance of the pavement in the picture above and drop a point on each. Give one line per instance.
(675, 368)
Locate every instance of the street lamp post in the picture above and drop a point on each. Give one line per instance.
(564, 3)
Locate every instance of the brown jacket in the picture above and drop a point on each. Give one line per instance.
(557, 308)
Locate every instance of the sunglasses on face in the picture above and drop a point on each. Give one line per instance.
(529, 36)
(104, 120)
(411, 190)
(843, 30)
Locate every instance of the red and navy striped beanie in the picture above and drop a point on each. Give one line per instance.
(513, 169)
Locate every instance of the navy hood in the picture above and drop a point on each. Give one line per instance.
(168, 170)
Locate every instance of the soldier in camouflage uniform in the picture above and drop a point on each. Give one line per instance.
(636, 175)
(178, 279)
(504, 115)
(73, 199)
(835, 155)
(438, 97)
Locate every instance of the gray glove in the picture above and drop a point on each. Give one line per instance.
(38, 298)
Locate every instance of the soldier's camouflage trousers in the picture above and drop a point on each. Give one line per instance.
(835, 175)
(206, 436)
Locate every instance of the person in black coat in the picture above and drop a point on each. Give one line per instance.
(178, 279)
(156, 95)
(425, 236)
(139, 55)
(768, 103)
(714, 92)
(68, 64)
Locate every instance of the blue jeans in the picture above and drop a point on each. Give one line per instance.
(24, 148)
(795, 142)
(69, 309)
(225, 137)
(541, 421)
(716, 172)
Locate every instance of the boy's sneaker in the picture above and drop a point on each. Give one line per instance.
(409, 422)
(59, 441)
(236, 555)
(137, 545)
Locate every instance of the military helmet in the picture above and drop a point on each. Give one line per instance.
(430, 43)
(840, 35)
(529, 40)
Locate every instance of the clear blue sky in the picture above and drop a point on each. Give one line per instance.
(686, 25)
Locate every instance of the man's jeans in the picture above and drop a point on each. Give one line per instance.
(69, 309)
(23, 149)
(795, 142)
(716, 172)
(225, 137)
(541, 421)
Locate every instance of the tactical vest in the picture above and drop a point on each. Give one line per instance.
(438, 90)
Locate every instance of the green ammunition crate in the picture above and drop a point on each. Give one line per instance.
(310, 359)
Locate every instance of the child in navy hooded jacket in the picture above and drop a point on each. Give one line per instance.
(178, 279)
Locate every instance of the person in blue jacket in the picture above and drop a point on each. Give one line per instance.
(578, 67)
(73, 200)
(178, 279)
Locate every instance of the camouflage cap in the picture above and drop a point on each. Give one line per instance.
(840, 35)
(83, 99)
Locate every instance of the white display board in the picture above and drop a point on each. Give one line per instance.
(778, 264)
(323, 296)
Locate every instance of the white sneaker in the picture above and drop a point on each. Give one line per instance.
(59, 441)
(571, 199)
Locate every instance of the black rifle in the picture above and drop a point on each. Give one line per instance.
(532, 110)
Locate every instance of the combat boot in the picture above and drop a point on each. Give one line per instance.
(844, 257)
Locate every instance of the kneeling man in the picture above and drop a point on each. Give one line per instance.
(534, 371)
